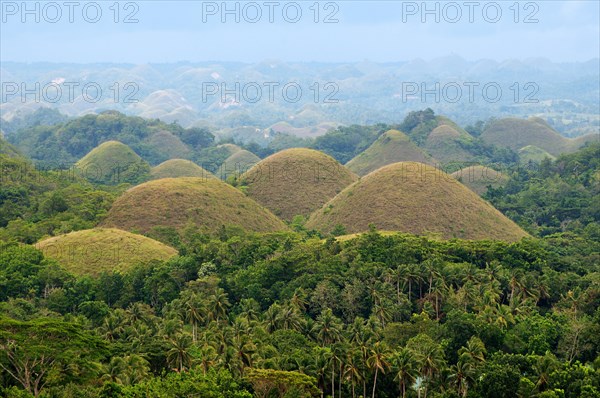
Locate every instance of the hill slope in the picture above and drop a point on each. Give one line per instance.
(238, 163)
(169, 145)
(478, 178)
(178, 168)
(518, 133)
(177, 202)
(113, 163)
(391, 147)
(444, 144)
(416, 198)
(7, 149)
(296, 181)
(532, 153)
(93, 251)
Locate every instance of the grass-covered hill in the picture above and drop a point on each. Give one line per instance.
(169, 145)
(391, 147)
(416, 198)
(518, 133)
(179, 202)
(237, 164)
(295, 181)
(93, 251)
(174, 168)
(479, 178)
(113, 162)
(66, 142)
(532, 153)
(449, 144)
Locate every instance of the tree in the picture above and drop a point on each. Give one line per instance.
(179, 354)
(264, 381)
(327, 328)
(33, 349)
(378, 361)
(405, 368)
(429, 356)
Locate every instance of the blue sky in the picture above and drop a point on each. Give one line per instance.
(379, 31)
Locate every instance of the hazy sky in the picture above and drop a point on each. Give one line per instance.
(380, 31)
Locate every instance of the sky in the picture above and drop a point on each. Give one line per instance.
(303, 31)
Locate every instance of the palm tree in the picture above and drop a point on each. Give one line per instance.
(378, 361)
(352, 370)
(462, 376)
(218, 304)
(113, 325)
(208, 357)
(543, 368)
(405, 367)
(271, 318)
(429, 355)
(327, 328)
(250, 309)
(474, 352)
(179, 354)
(289, 318)
(432, 268)
(194, 310)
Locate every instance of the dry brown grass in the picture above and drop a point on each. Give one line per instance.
(416, 198)
(93, 251)
(518, 133)
(296, 181)
(176, 202)
(174, 168)
(391, 147)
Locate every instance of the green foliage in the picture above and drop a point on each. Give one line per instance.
(344, 143)
(556, 196)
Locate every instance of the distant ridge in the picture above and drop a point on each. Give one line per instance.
(518, 133)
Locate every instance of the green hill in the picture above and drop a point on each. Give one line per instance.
(446, 144)
(113, 163)
(518, 133)
(391, 147)
(168, 145)
(296, 181)
(7, 149)
(532, 153)
(478, 178)
(178, 202)
(174, 168)
(92, 251)
(416, 198)
(238, 163)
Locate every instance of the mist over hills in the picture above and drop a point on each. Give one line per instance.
(308, 98)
